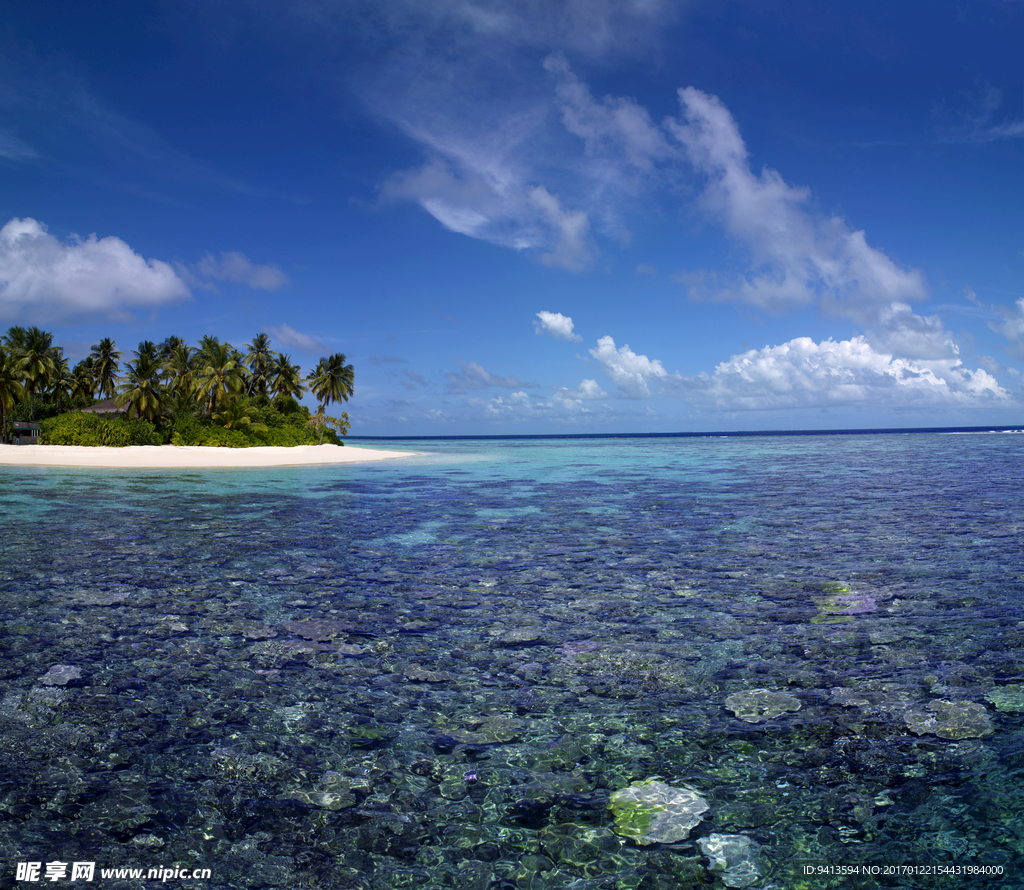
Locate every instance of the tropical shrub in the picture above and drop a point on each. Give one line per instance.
(71, 429)
(219, 437)
(121, 432)
(92, 431)
(187, 429)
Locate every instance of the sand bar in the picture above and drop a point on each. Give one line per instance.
(187, 457)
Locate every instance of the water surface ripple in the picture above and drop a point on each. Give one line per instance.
(434, 673)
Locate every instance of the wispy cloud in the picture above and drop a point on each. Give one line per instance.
(975, 118)
(464, 80)
(800, 257)
(14, 149)
(286, 335)
(78, 131)
(1011, 326)
(475, 376)
(413, 381)
(43, 280)
(237, 267)
(553, 168)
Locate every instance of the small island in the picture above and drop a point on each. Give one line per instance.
(171, 393)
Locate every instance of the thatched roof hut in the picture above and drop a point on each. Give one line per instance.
(106, 408)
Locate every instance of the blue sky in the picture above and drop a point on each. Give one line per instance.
(536, 216)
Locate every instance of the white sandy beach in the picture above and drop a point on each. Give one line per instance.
(187, 457)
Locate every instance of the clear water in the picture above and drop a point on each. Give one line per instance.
(434, 672)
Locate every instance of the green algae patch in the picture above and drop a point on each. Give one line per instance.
(950, 720)
(842, 603)
(758, 705)
(1007, 698)
(653, 812)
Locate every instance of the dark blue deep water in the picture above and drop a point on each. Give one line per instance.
(436, 672)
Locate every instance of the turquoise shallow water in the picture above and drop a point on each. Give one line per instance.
(435, 672)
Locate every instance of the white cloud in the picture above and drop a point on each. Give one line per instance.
(588, 390)
(515, 405)
(570, 246)
(234, 266)
(557, 325)
(462, 80)
(563, 405)
(800, 257)
(902, 332)
(613, 127)
(546, 166)
(474, 194)
(631, 372)
(44, 280)
(802, 373)
(286, 335)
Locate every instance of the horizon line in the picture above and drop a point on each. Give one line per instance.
(708, 434)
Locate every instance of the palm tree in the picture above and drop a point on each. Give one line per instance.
(105, 366)
(219, 374)
(141, 388)
(15, 337)
(36, 361)
(237, 414)
(11, 390)
(179, 366)
(169, 345)
(83, 380)
(149, 348)
(62, 381)
(259, 358)
(286, 378)
(332, 380)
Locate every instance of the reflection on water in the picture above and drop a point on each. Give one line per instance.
(435, 673)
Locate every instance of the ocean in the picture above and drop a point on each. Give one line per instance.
(455, 670)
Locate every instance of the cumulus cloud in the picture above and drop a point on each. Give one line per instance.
(562, 406)
(474, 376)
(237, 267)
(286, 335)
(44, 280)
(802, 373)
(515, 405)
(630, 371)
(588, 390)
(902, 332)
(557, 325)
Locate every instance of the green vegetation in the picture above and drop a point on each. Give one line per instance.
(211, 394)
